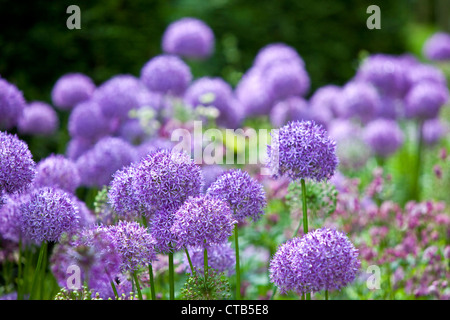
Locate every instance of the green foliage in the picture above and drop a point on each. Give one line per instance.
(216, 286)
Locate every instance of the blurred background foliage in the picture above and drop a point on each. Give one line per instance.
(118, 36)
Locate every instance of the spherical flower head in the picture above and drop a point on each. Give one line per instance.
(302, 150)
(437, 47)
(164, 179)
(323, 259)
(88, 122)
(425, 99)
(325, 98)
(189, 38)
(210, 173)
(166, 74)
(72, 89)
(245, 196)
(202, 221)
(386, 73)
(17, 167)
(159, 225)
(290, 109)
(221, 257)
(383, 136)
(76, 146)
(424, 72)
(358, 100)
(58, 172)
(48, 214)
(38, 118)
(109, 154)
(434, 130)
(12, 104)
(275, 53)
(133, 242)
(10, 226)
(118, 95)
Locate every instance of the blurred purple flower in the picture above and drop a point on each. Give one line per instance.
(383, 136)
(425, 99)
(221, 257)
(291, 109)
(72, 89)
(38, 118)
(12, 104)
(275, 53)
(437, 47)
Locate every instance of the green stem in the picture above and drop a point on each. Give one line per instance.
(416, 183)
(205, 263)
(190, 261)
(37, 272)
(115, 290)
(305, 217)
(326, 294)
(152, 281)
(238, 268)
(171, 277)
(138, 287)
(20, 273)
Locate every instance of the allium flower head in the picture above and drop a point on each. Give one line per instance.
(245, 196)
(202, 221)
(221, 257)
(383, 136)
(58, 172)
(12, 104)
(325, 98)
(164, 179)
(166, 74)
(48, 214)
(77, 146)
(17, 167)
(97, 165)
(133, 242)
(302, 150)
(425, 99)
(88, 122)
(424, 72)
(323, 259)
(72, 89)
(38, 118)
(210, 173)
(291, 109)
(433, 130)
(275, 53)
(10, 226)
(189, 38)
(437, 47)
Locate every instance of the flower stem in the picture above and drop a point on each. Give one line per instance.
(205, 263)
(115, 290)
(190, 261)
(305, 218)
(238, 271)
(326, 294)
(37, 272)
(171, 277)
(20, 280)
(152, 281)
(416, 184)
(138, 286)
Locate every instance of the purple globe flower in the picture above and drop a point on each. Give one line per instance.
(210, 173)
(134, 244)
(202, 221)
(423, 72)
(159, 226)
(58, 172)
(324, 98)
(72, 89)
(38, 118)
(88, 122)
(437, 47)
(164, 179)
(323, 259)
(386, 73)
(166, 74)
(383, 136)
(97, 165)
(12, 104)
(221, 257)
(77, 146)
(188, 37)
(245, 196)
(425, 99)
(390, 108)
(358, 100)
(434, 130)
(154, 144)
(275, 53)
(302, 150)
(48, 214)
(291, 109)
(17, 167)
(10, 226)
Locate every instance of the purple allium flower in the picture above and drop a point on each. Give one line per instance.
(390, 108)
(164, 179)
(302, 150)
(59, 172)
(17, 167)
(72, 89)
(323, 259)
(12, 104)
(221, 257)
(202, 221)
(97, 166)
(88, 122)
(120, 94)
(386, 73)
(275, 53)
(424, 72)
(433, 130)
(383, 136)
(425, 99)
(135, 245)
(358, 100)
(166, 74)
(291, 109)
(245, 196)
(437, 47)
(154, 144)
(325, 98)
(210, 173)
(160, 224)
(77, 146)
(38, 118)
(10, 226)
(189, 38)
(48, 214)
